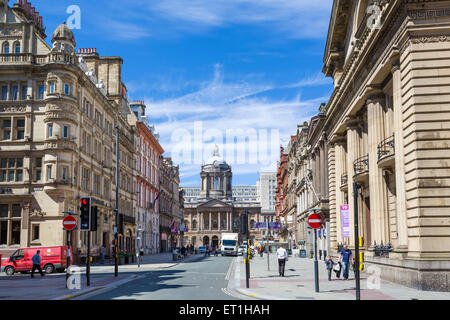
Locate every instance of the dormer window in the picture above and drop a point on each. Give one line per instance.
(67, 89)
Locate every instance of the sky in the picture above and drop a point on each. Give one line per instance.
(241, 74)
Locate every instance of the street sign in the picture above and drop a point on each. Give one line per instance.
(315, 221)
(260, 225)
(69, 223)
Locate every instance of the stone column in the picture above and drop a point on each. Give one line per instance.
(228, 221)
(353, 153)
(198, 221)
(218, 218)
(340, 159)
(210, 220)
(402, 224)
(377, 188)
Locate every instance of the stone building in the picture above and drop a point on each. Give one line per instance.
(215, 211)
(148, 156)
(170, 206)
(58, 139)
(281, 193)
(290, 211)
(387, 122)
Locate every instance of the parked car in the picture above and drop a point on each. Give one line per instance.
(202, 249)
(52, 259)
(241, 250)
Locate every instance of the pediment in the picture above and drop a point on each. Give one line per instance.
(214, 203)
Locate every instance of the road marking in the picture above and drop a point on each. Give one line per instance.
(224, 290)
(237, 273)
(227, 277)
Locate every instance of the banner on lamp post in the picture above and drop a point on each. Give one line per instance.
(345, 221)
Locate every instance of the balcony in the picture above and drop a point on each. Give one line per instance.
(361, 169)
(21, 58)
(344, 182)
(386, 153)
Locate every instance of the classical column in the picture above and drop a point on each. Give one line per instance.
(339, 161)
(353, 153)
(377, 188)
(218, 217)
(228, 225)
(198, 221)
(210, 220)
(402, 224)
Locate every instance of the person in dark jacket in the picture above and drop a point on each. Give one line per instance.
(36, 264)
(330, 264)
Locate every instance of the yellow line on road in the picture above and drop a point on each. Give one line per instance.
(227, 277)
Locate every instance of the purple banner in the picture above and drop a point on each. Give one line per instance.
(345, 221)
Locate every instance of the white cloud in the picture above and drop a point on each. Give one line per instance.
(221, 106)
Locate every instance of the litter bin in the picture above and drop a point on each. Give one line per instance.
(174, 255)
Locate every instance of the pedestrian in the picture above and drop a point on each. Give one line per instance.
(282, 256)
(215, 251)
(337, 269)
(345, 258)
(36, 259)
(261, 251)
(209, 251)
(102, 254)
(330, 264)
(141, 255)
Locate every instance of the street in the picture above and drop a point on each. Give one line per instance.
(202, 279)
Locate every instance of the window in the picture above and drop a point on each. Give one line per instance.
(24, 92)
(52, 87)
(85, 173)
(41, 90)
(17, 48)
(10, 223)
(20, 129)
(38, 165)
(15, 93)
(4, 92)
(67, 89)
(50, 131)
(49, 173)
(65, 132)
(6, 48)
(96, 184)
(11, 170)
(65, 172)
(35, 233)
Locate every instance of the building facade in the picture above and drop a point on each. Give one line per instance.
(148, 154)
(216, 211)
(281, 194)
(58, 137)
(387, 123)
(266, 187)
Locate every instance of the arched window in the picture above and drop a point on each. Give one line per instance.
(17, 47)
(5, 48)
(194, 225)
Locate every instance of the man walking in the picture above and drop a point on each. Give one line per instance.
(36, 264)
(103, 253)
(346, 256)
(282, 256)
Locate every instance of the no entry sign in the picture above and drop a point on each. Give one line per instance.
(69, 223)
(315, 221)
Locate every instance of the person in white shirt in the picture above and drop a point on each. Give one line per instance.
(282, 256)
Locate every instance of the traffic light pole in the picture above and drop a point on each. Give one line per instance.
(116, 210)
(357, 275)
(88, 260)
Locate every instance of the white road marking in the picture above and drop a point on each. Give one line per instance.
(237, 273)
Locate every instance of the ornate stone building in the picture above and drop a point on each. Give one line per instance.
(58, 140)
(148, 156)
(387, 121)
(281, 194)
(215, 211)
(290, 212)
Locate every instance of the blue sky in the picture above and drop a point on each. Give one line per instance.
(231, 64)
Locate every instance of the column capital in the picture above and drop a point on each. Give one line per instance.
(395, 66)
(337, 140)
(352, 122)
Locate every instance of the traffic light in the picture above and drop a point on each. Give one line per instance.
(94, 214)
(243, 223)
(85, 213)
(120, 226)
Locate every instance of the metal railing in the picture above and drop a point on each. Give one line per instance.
(386, 148)
(361, 165)
(381, 250)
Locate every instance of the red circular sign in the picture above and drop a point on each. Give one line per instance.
(69, 223)
(315, 221)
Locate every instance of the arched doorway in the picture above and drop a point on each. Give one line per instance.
(206, 241)
(215, 241)
(194, 241)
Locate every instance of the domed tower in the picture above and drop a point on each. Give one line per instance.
(216, 178)
(64, 44)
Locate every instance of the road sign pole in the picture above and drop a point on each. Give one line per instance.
(316, 263)
(69, 233)
(268, 248)
(357, 275)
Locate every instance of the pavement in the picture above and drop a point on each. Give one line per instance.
(299, 283)
(53, 286)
